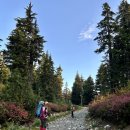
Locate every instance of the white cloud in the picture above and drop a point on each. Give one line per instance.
(87, 33)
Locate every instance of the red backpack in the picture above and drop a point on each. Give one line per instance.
(43, 113)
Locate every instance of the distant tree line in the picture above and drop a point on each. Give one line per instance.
(82, 90)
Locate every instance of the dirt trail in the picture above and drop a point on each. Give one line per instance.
(69, 123)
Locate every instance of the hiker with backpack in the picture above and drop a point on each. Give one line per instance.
(42, 113)
(43, 116)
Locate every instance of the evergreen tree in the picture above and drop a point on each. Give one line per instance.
(88, 88)
(105, 38)
(122, 44)
(4, 73)
(46, 78)
(25, 45)
(58, 83)
(24, 49)
(66, 93)
(77, 90)
(102, 82)
(4, 70)
(18, 91)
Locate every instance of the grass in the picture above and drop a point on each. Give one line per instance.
(36, 123)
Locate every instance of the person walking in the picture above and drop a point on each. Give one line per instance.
(43, 116)
(72, 111)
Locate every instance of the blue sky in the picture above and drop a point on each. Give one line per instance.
(68, 26)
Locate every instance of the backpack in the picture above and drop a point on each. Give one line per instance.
(43, 114)
(38, 109)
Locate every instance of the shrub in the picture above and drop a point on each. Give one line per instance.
(115, 108)
(17, 90)
(57, 107)
(12, 112)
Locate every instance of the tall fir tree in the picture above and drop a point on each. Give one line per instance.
(122, 44)
(58, 83)
(66, 93)
(25, 45)
(77, 90)
(105, 38)
(88, 93)
(24, 48)
(46, 87)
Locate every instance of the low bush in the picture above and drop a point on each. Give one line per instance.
(115, 108)
(10, 112)
(52, 107)
(12, 126)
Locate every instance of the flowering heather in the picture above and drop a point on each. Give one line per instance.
(12, 112)
(115, 108)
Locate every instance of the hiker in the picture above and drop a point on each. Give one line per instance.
(43, 116)
(72, 111)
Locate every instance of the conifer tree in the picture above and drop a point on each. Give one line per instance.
(88, 93)
(24, 48)
(46, 78)
(58, 83)
(105, 38)
(4, 73)
(122, 44)
(102, 82)
(66, 93)
(77, 90)
(25, 45)
(18, 91)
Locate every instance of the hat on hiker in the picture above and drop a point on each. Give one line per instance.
(46, 102)
(41, 102)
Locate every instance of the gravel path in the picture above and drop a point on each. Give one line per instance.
(69, 123)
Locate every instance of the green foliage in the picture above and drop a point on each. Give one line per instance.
(67, 94)
(121, 45)
(77, 90)
(102, 82)
(88, 88)
(105, 39)
(113, 39)
(58, 81)
(36, 123)
(13, 126)
(2, 87)
(24, 49)
(45, 87)
(25, 45)
(18, 91)
(4, 73)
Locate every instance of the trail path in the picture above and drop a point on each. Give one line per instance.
(69, 123)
